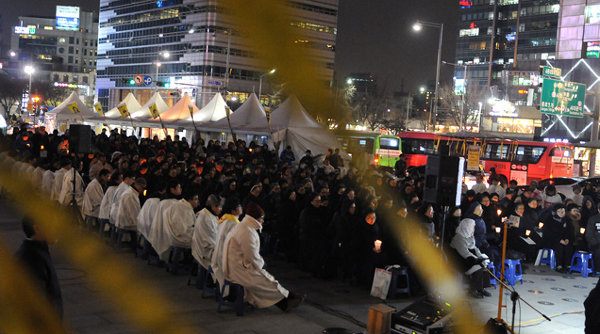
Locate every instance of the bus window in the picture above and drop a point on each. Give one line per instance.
(492, 151)
(417, 146)
(529, 154)
(360, 145)
(561, 152)
(389, 143)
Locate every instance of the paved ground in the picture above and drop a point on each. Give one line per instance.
(329, 304)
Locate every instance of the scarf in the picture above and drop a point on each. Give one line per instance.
(228, 216)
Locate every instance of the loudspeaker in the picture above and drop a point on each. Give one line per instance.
(80, 138)
(443, 180)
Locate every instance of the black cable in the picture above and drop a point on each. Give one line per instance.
(336, 313)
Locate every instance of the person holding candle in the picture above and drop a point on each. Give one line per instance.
(367, 247)
(558, 234)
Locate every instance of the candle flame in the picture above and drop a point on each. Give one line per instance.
(527, 233)
(498, 230)
(541, 225)
(582, 230)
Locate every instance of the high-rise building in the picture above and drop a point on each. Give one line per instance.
(197, 46)
(512, 30)
(61, 48)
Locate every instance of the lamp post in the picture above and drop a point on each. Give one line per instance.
(260, 84)
(417, 26)
(164, 54)
(462, 108)
(29, 70)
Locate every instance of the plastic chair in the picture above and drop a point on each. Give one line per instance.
(119, 238)
(581, 262)
(238, 305)
(394, 291)
(513, 271)
(173, 264)
(548, 256)
(493, 270)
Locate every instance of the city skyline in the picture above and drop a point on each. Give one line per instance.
(399, 56)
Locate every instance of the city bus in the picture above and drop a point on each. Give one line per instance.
(523, 161)
(370, 148)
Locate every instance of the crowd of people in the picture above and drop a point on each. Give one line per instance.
(324, 215)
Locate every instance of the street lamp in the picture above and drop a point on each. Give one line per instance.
(260, 83)
(462, 109)
(164, 54)
(29, 70)
(417, 27)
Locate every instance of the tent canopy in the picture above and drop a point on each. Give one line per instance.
(213, 111)
(179, 111)
(289, 113)
(247, 113)
(143, 113)
(132, 105)
(62, 112)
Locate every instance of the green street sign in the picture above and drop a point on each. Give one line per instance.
(562, 98)
(553, 72)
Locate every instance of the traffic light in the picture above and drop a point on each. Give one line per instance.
(126, 81)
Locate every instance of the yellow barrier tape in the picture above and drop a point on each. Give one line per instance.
(129, 292)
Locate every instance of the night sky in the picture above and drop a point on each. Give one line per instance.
(374, 36)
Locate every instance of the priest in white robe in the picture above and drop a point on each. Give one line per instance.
(205, 231)
(59, 175)
(130, 206)
(233, 210)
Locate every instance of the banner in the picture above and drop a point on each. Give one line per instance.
(473, 158)
(123, 110)
(153, 111)
(74, 108)
(98, 108)
(268, 113)
(191, 110)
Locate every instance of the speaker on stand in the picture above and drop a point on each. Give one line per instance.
(80, 141)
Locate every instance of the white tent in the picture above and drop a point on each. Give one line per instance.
(293, 126)
(247, 113)
(132, 106)
(289, 113)
(63, 115)
(144, 112)
(213, 111)
(177, 112)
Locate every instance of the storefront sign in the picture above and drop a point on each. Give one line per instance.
(562, 98)
(24, 30)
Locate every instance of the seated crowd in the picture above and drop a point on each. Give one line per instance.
(227, 202)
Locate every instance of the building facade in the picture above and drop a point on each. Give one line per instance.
(61, 50)
(197, 46)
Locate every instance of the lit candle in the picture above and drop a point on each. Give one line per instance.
(377, 245)
(41, 148)
(145, 192)
(499, 212)
(541, 225)
(527, 233)
(582, 230)
(498, 230)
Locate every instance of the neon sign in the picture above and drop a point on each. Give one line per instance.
(465, 3)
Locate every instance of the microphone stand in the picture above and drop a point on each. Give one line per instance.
(514, 296)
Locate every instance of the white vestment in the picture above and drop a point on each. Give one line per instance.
(47, 183)
(205, 237)
(172, 226)
(92, 198)
(109, 195)
(128, 210)
(244, 265)
(216, 262)
(66, 192)
(38, 177)
(147, 213)
(116, 201)
(58, 183)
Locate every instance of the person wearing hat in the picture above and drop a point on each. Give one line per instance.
(130, 206)
(243, 265)
(307, 160)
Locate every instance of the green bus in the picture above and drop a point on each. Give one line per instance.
(370, 148)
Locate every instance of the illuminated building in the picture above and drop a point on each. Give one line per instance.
(201, 43)
(60, 48)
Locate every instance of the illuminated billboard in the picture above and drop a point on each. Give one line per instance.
(67, 17)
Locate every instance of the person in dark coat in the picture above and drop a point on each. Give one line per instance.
(310, 226)
(557, 234)
(592, 235)
(592, 311)
(344, 222)
(35, 256)
(367, 256)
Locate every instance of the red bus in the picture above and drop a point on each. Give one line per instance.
(523, 161)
